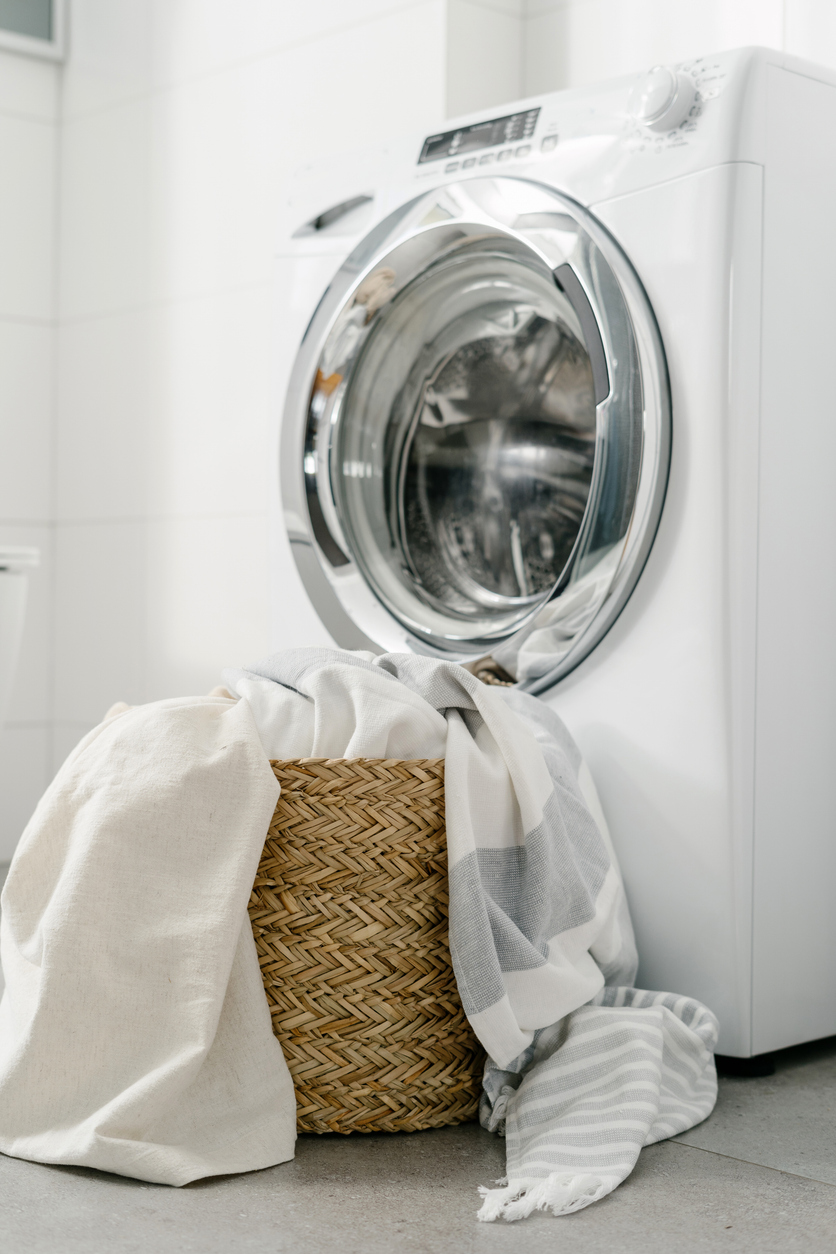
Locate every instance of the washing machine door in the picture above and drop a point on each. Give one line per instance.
(477, 431)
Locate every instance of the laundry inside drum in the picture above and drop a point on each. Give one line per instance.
(465, 446)
(498, 470)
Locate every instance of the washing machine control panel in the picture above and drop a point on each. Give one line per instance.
(512, 129)
(642, 118)
(592, 142)
(663, 99)
(666, 104)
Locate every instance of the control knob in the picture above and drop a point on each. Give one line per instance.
(663, 98)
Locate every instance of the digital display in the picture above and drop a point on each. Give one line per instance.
(507, 130)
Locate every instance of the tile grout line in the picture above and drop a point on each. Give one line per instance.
(15, 116)
(44, 523)
(163, 303)
(135, 519)
(25, 320)
(55, 415)
(751, 1163)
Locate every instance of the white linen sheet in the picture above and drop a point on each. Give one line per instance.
(134, 1031)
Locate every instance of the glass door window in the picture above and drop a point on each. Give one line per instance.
(480, 416)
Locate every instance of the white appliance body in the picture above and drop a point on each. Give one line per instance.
(707, 712)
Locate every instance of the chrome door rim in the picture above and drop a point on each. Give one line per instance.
(567, 624)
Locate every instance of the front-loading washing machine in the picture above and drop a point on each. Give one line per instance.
(559, 408)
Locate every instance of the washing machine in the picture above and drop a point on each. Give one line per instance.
(558, 408)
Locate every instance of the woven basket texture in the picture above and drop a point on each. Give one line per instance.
(349, 913)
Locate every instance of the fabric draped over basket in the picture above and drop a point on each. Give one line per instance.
(539, 925)
(135, 1035)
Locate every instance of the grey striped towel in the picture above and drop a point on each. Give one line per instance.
(626, 1070)
(583, 1068)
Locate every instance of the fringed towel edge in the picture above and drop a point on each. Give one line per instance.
(561, 1193)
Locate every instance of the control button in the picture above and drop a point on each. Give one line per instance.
(663, 98)
(487, 159)
(548, 143)
(524, 151)
(505, 154)
(451, 166)
(469, 164)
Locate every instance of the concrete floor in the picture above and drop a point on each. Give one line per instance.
(758, 1176)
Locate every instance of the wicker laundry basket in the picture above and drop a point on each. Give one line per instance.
(349, 913)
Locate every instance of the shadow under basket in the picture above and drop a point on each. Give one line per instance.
(350, 912)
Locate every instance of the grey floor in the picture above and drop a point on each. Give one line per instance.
(759, 1175)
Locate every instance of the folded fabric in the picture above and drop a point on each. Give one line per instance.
(538, 917)
(134, 1032)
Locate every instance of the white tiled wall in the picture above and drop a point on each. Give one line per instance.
(571, 43)
(182, 121)
(28, 114)
(484, 53)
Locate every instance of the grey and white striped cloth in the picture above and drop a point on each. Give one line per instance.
(583, 1069)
